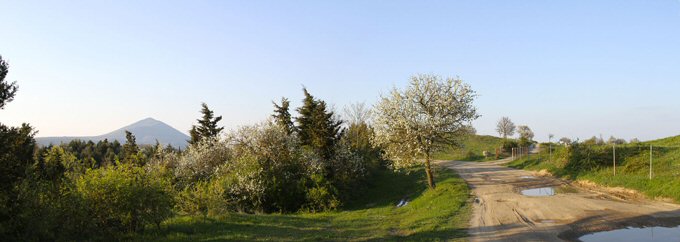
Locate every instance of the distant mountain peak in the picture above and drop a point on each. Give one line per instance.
(147, 131)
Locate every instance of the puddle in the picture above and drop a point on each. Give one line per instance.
(527, 177)
(656, 234)
(539, 192)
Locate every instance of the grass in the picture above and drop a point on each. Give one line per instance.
(439, 214)
(472, 149)
(595, 164)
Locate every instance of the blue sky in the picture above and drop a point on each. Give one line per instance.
(572, 68)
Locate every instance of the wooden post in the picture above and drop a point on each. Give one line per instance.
(614, 157)
(650, 162)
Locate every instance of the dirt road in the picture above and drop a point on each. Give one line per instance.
(502, 213)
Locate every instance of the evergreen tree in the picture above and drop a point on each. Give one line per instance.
(282, 115)
(305, 122)
(317, 127)
(17, 148)
(207, 126)
(7, 90)
(130, 149)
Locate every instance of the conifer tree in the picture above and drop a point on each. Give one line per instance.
(130, 148)
(207, 126)
(282, 115)
(7, 90)
(317, 127)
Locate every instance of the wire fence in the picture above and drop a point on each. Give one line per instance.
(638, 159)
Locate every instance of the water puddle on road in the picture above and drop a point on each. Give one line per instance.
(655, 234)
(527, 177)
(539, 192)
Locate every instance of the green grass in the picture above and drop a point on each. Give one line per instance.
(472, 149)
(439, 214)
(632, 171)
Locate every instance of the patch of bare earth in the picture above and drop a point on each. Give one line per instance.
(502, 213)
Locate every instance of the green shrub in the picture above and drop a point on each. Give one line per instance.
(126, 197)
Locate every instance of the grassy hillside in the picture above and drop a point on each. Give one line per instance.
(472, 149)
(439, 214)
(595, 163)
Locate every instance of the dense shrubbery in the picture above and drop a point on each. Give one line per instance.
(90, 191)
(125, 197)
(262, 168)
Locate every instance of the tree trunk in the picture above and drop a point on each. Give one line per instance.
(428, 170)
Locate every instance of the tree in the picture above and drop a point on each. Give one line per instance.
(565, 141)
(525, 132)
(430, 113)
(282, 115)
(17, 147)
(358, 113)
(505, 127)
(7, 90)
(317, 126)
(207, 126)
(130, 149)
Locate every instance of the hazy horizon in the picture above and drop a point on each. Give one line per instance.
(571, 68)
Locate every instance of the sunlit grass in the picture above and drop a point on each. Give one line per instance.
(439, 214)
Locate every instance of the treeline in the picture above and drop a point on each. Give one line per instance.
(85, 190)
(105, 152)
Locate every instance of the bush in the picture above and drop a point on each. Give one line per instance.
(203, 198)
(201, 161)
(125, 197)
(508, 145)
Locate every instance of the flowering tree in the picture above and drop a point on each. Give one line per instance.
(410, 124)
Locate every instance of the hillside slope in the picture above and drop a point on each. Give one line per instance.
(147, 131)
(595, 163)
(471, 149)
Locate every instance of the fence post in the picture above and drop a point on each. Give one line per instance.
(614, 158)
(650, 162)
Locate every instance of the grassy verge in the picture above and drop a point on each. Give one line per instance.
(595, 164)
(439, 214)
(472, 149)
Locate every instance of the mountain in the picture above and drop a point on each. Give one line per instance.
(147, 131)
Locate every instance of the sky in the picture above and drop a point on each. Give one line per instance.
(574, 68)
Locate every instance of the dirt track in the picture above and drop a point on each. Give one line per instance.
(501, 213)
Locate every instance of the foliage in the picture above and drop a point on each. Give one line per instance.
(318, 128)
(431, 215)
(16, 157)
(472, 148)
(126, 197)
(207, 126)
(201, 161)
(429, 114)
(7, 90)
(565, 141)
(282, 116)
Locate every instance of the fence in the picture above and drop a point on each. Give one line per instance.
(627, 158)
